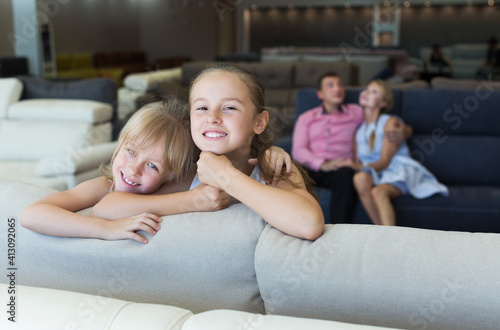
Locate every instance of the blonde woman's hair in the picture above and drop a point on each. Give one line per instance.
(166, 121)
(263, 141)
(388, 97)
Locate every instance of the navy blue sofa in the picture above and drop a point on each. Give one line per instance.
(457, 137)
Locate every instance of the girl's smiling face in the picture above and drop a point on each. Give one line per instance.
(139, 171)
(372, 97)
(223, 117)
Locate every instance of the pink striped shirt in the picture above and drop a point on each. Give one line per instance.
(319, 136)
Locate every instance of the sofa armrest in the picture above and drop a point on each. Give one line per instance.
(143, 82)
(76, 161)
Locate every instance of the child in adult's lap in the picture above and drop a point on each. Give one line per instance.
(385, 169)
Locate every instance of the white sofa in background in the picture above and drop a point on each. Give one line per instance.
(52, 141)
(136, 85)
(370, 275)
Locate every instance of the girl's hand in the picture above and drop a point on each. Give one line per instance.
(334, 164)
(350, 163)
(126, 228)
(394, 131)
(209, 198)
(278, 157)
(213, 169)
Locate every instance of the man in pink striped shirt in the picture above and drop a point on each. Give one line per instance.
(324, 136)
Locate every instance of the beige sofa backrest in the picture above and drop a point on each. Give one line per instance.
(307, 73)
(198, 261)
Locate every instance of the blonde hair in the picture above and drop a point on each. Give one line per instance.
(388, 97)
(263, 141)
(166, 121)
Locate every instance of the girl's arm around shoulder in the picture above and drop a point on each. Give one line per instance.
(389, 148)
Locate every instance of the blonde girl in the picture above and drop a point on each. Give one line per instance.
(230, 124)
(155, 155)
(385, 169)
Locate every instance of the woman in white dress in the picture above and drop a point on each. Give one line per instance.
(385, 169)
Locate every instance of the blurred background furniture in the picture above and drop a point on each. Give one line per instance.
(280, 80)
(13, 66)
(121, 62)
(466, 59)
(55, 134)
(76, 66)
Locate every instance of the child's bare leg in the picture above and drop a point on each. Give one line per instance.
(363, 182)
(382, 196)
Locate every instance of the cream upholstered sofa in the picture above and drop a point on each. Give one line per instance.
(51, 309)
(233, 271)
(55, 133)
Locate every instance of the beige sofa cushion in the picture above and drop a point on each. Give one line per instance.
(40, 308)
(146, 81)
(58, 110)
(231, 320)
(386, 276)
(482, 86)
(72, 163)
(25, 171)
(280, 58)
(34, 140)
(323, 58)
